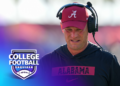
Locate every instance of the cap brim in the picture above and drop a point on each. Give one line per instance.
(77, 24)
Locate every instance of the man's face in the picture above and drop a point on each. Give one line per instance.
(76, 38)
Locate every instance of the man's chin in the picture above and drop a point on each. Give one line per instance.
(75, 47)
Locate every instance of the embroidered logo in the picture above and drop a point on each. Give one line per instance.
(73, 14)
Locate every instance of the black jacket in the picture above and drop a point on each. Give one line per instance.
(92, 67)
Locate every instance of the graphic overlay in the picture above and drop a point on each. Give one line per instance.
(24, 62)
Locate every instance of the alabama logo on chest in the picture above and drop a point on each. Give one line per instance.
(73, 70)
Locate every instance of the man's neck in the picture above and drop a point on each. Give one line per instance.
(75, 52)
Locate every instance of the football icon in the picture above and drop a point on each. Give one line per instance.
(24, 73)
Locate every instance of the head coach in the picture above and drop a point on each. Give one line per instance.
(79, 62)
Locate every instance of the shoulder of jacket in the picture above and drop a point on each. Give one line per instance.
(106, 54)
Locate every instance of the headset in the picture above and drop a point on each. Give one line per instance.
(92, 19)
(92, 23)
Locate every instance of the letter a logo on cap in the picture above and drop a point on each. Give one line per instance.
(73, 14)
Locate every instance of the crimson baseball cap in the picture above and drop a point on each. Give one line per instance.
(74, 16)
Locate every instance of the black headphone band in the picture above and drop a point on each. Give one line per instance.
(88, 6)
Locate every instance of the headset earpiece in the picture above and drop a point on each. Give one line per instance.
(91, 24)
(60, 16)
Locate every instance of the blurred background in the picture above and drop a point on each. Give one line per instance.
(32, 24)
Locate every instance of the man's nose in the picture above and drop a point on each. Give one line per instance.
(74, 34)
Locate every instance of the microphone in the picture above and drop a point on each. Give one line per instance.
(89, 4)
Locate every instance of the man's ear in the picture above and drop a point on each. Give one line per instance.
(61, 27)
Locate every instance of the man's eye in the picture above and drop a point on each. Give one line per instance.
(79, 30)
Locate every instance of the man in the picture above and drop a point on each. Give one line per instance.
(79, 62)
